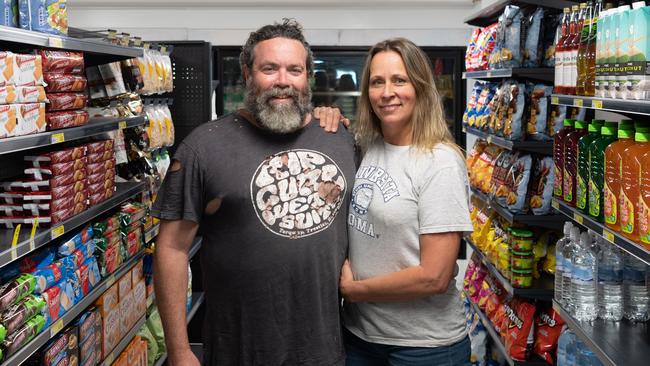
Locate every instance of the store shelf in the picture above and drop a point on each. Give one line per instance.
(490, 13)
(197, 300)
(41, 339)
(26, 244)
(613, 105)
(615, 343)
(540, 147)
(611, 236)
(536, 73)
(108, 361)
(547, 221)
(95, 127)
(95, 52)
(535, 361)
(542, 289)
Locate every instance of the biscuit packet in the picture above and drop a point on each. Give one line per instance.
(517, 183)
(542, 187)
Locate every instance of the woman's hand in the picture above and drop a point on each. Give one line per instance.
(346, 281)
(330, 118)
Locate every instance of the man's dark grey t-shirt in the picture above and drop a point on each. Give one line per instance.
(272, 253)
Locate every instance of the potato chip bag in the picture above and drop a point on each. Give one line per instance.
(518, 337)
(549, 325)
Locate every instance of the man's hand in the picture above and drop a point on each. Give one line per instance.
(185, 358)
(346, 280)
(330, 118)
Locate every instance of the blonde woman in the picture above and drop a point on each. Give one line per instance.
(408, 211)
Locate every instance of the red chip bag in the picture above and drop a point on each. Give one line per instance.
(519, 329)
(483, 295)
(547, 332)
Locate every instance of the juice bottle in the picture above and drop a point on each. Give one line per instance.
(560, 51)
(571, 162)
(590, 60)
(597, 171)
(582, 180)
(622, 51)
(631, 172)
(581, 59)
(572, 45)
(644, 202)
(613, 167)
(558, 156)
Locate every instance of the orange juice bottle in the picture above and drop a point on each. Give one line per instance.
(613, 167)
(631, 173)
(644, 202)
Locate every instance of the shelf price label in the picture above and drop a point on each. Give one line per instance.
(555, 204)
(121, 125)
(489, 139)
(488, 74)
(58, 138)
(608, 235)
(597, 104)
(578, 218)
(56, 327)
(578, 102)
(55, 42)
(555, 100)
(58, 231)
(110, 281)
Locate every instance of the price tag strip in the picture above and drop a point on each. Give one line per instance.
(58, 138)
(56, 327)
(597, 104)
(58, 231)
(608, 235)
(578, 218)
(578, 102)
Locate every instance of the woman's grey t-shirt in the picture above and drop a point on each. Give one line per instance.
(400, 193)
(272, 253)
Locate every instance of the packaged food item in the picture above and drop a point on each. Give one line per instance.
(30, 118)
(7, 94)
(96, 87)
(97, 198)
(502, 165)
(29, 70)
(46, 16)
(104, 178)
(542, 187)
(508, 47)
(94, 275)
(8, 120)
(532, 50)
(100, 156)
(64, 83)
(517, 184)
(520, 328)
(473, 99)
(92, 169)
(99, 146)
(46, 277)
(133, 241)
(63, 62)
(24, 335)
(18, 314)
(522, 278)
(9, 17)
(485, 47)
(66, 101)
(65, 119)
(16, 290)
(30, 94)
(521, 240)
(539, 107)
(7, 68)
(109, 224)
(522, 261)
(76, 242)
(512, 110)
(56, 157)
(113, 80)
(59, 348)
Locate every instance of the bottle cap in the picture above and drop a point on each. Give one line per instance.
(638, 4)
(568, 122)
(567, 10)
(608, 131)
(580, 125)
(642, 137)
(583, 5)
(625, 133)
(594, 127)
(574, 7)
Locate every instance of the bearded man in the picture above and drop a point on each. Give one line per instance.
(270, 192)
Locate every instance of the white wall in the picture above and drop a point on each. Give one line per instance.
(332, 22)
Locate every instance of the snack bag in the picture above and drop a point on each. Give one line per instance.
(16, 290)
(481, 173)
(519, 329)
(64, 62)
(8, 18)
(486, 45)
(514, 103)
(24, 335)
(549, 327)
(517, 183)
(542, 187)
(555, 119)
(533, 45)
(18, 314)
(47, 16)
(550, 35)
(503, 163)
(539, 107)
(471, 47)
(510, 32)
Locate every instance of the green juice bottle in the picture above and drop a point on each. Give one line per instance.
(608, 134)
(582, 177)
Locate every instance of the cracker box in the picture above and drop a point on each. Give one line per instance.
(140, 299)
(137, 272)
(110, 331)
(88, 349)
(127, 311)
(109, 300)
(125, 285)
(8, 120)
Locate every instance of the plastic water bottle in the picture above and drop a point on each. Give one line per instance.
(587, 357)
(559, 261)
(570, 250)
(610, 283)
(584, 278)
(562, 344)
(635, 290)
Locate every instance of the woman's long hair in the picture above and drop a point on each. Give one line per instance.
(428, 123)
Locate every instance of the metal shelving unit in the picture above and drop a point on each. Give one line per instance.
(496, 338)
(150, 234)
(611, 236)
(540, 147)
(620, 343)
(535, 73)
(95, 52)
(108, 361)
(546, 221)
(95, 127)
(638, 107)
(41, 339)
(490, 13)
(542, 288)
(197, 301)
(26, 243)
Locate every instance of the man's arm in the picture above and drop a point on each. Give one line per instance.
(170, 283)
(330, 118)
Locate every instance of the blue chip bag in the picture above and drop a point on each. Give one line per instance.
(9, 13)
(47, 277)
(79, 239)
(46, 16)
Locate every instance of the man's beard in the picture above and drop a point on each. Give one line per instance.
(278, 118)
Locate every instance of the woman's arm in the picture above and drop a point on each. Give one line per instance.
(438, 253)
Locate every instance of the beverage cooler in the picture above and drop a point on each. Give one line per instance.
(337, 74)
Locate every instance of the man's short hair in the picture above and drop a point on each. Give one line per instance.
(289, 28)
